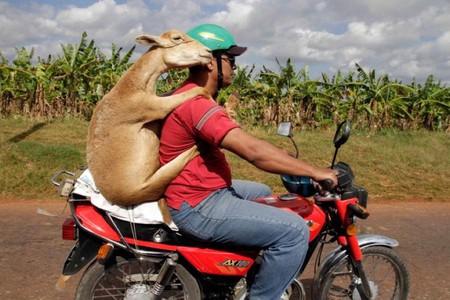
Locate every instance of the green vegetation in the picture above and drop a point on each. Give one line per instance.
(71, 85)
(393, 165)
(398, 150)
(30, 151)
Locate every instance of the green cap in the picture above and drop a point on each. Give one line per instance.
(216, 38)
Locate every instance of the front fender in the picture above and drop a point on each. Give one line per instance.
(340, 252)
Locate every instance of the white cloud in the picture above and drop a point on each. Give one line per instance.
(443, 41)
(405, 38)
(104, 20)
(238, 13)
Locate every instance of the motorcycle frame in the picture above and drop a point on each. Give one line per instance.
(92, 235)
(327, 216)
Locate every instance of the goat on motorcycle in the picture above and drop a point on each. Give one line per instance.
(204, 201)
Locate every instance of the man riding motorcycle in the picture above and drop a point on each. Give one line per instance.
(204, 201)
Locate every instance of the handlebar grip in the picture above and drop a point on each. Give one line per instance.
(327, 184)
(359, 211)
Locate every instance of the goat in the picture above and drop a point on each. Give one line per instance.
(123, 137)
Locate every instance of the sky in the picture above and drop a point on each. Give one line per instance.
(406, 39)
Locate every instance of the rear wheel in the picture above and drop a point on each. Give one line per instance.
(386, 271)
(132, 279)
(294, 292)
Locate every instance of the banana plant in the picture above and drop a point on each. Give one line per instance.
(430, 105)
(73, 82)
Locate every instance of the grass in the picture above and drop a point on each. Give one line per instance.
(31, 152)
(392, 165)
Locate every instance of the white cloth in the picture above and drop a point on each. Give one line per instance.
(145, 213)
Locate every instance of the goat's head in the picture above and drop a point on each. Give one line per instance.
(179, 50)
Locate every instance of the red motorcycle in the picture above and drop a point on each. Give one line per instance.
(128, 260)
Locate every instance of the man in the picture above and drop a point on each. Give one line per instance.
(204, 201)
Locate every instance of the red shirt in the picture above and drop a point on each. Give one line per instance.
(204, 123)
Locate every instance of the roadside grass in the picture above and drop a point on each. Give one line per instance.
(32, 151)
(391, 165)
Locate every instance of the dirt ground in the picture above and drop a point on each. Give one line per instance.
(32, 251)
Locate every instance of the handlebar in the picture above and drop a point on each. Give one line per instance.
(359, 211)
(324, 190)
(326, 185)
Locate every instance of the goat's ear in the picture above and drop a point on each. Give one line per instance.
(149, 40)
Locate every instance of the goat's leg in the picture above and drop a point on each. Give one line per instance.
(167, 173)
(164, 209)
(165, 105)
(155, 185)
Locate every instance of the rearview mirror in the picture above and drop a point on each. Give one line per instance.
(342, 134)
(340, 137)
(285, 129)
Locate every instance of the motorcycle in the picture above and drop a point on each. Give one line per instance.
(132, 261)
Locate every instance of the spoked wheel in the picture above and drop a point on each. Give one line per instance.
(132, 279)
(386, 271)
(295, 291)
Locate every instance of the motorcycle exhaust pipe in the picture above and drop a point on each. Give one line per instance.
(164, 277)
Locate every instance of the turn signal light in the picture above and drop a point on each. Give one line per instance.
(104, 253)
(352, 229)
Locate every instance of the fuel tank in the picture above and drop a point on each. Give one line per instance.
(307, 209)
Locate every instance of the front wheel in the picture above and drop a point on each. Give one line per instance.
(385, 269)
(129, 278)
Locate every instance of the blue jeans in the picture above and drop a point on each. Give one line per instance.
(226, 217)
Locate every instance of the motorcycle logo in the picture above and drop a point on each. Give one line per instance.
(235, 263)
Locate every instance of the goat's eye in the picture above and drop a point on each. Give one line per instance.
(177, 38)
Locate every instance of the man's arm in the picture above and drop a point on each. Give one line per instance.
(269, 158)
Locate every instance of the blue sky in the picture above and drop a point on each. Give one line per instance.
(403, 38)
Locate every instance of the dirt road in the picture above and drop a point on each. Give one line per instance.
(32, 252)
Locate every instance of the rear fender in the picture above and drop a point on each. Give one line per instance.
(84, 251)
(340, 252)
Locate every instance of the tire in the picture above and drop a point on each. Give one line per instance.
(128, 276)
(295, 291)
(385, 269)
